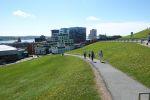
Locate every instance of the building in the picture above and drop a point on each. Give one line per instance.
(54, 36)
(52, 41)
(8, 54)
(78, 34)
(40, 50)
(19, 39)
(40, 39)
(65, 39)
(93, 34)
(102, 37)
(22, 53)
(64, 43)
(115, 37)
(64, 31)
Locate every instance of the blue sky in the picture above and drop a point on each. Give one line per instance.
(37, 17)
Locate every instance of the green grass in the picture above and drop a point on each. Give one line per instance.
(138, 35)
(48, 78)
(130, 58)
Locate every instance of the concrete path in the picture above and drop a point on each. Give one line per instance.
(144, 44)
(121, 86)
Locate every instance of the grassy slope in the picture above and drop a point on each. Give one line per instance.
(131, 58)
(139, 35)
(50, 77)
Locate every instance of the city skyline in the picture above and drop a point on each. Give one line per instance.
(113, 17)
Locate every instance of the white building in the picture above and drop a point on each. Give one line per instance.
(64, 43)
(93, 34)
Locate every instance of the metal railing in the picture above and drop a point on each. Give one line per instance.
(141, 41)
(144, 94)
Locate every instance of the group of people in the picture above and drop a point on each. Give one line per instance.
(91, 55)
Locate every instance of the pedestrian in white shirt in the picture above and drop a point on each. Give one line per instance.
(100, 55)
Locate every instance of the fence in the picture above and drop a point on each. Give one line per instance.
(142, 41)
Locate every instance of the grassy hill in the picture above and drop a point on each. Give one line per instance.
(138, 35)
(48, 78)
(130, 58)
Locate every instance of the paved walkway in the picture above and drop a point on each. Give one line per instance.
(121, 86)
(144, 44)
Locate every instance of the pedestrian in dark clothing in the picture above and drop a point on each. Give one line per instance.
(84, 54)
(92, 56)
(148, 38)
(89, 54)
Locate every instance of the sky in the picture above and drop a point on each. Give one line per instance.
(38, 17)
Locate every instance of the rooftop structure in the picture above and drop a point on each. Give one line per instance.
(6, 48)
(8, 53)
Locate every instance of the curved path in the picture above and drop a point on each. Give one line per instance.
(121, 86)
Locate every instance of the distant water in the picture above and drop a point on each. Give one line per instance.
(23, 41)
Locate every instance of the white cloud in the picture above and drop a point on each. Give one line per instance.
(92, 18)
(22, 14)
(119, 28)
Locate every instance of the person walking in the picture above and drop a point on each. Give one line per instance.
(89, 54)
(100, 55)
(84, 54)
(148, 38)
(92, 56)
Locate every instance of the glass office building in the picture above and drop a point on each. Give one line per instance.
(78, 34)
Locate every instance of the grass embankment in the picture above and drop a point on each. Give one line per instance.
(50, 77)
(139, 35)
(130, 58)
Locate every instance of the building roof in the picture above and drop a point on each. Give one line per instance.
(7, 48)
